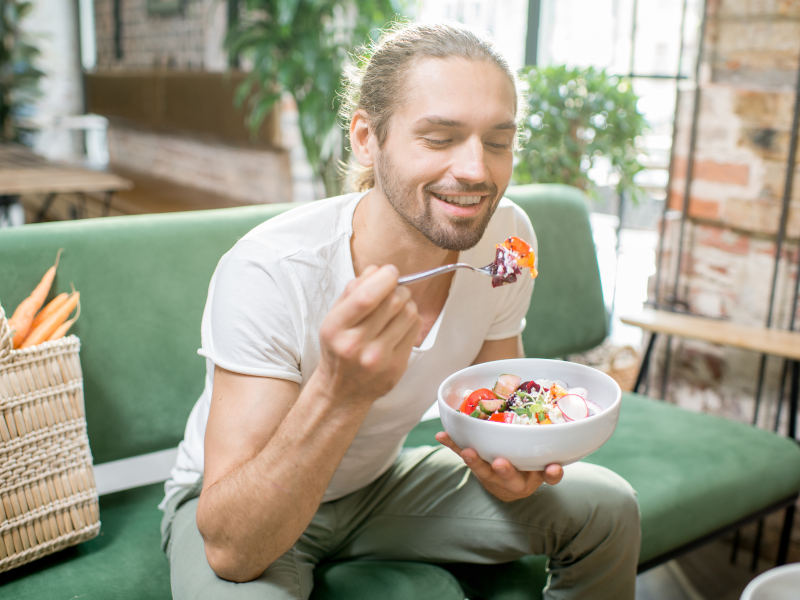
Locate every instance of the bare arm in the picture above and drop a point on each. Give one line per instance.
(270, 450)
(500, 478)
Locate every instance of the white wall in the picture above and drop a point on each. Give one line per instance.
(53, 25)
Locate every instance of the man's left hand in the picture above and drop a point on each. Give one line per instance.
(500, 478)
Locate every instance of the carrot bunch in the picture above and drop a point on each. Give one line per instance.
(31, 324)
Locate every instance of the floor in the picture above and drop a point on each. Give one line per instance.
(704, 574)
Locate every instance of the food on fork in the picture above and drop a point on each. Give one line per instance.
(511, 255)
(539, 402)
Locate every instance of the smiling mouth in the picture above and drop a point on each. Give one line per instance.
(458, 200)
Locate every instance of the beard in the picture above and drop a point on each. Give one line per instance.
(455, 233)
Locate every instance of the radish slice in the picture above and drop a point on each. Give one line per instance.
(593, 408)
(582, 392)
(573, 407)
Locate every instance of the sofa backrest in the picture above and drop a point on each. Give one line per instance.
(567, 313)
(143, 283)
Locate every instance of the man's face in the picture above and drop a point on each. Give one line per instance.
(448, 155)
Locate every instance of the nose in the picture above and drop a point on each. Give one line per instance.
(469, 165)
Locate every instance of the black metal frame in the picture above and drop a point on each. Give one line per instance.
(784, 218)
(788, 521)
(108, 197)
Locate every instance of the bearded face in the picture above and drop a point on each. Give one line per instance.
(447, 156)
(447, 231)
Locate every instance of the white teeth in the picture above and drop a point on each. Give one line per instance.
(462, 200)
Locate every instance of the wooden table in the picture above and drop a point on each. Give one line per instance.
(23, 172)
(776, 342)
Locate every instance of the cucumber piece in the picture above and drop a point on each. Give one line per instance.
(491, 406)
(479, 414)
(506, 385)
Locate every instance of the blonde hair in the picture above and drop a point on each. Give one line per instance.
(375, 83)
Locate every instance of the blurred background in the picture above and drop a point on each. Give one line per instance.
(675, 116)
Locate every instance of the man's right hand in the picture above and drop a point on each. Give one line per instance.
(367, 337)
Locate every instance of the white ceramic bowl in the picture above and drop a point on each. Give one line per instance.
(530, 447)
(780, 583)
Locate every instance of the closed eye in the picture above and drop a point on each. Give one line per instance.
(437, 142)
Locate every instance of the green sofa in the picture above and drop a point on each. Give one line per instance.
(143, 283)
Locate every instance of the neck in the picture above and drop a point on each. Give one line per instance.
(381, 236)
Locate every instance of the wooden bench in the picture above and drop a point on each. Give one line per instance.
(775, 342)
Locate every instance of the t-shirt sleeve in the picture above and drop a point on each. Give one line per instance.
(248, 324)
(509, 320)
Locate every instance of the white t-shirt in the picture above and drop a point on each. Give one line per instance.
(271, 291)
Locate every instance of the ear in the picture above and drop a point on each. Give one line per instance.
(361, 135)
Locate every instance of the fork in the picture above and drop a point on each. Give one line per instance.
(487, 270)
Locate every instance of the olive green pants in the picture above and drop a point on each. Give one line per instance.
(429, 508)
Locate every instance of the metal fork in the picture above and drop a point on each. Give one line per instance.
(487, 270)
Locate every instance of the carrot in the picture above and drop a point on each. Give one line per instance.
(22, 319)
(48, 309)
(64, 327)
(43, 332)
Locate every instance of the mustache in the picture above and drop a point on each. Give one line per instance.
(478, 189)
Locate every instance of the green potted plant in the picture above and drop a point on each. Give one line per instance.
(302, 47)
(575, 117)
(19, 78)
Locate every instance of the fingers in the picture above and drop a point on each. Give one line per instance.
(364, 297)
(394, 342)
(445, 440)
(354, 283)
(502, 478)
(514, 480)
(482, 469)
(388, 310)
(553, 474)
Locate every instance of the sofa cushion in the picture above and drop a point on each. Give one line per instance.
(686, 468)
(143, 283)
(695, 473)
(567, 313)
(124, 562)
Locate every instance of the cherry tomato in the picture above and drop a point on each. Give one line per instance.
(504, 417)
(471, 403)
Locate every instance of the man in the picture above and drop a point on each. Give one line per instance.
(319, 363)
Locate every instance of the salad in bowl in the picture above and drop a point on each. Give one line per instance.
(548, 412)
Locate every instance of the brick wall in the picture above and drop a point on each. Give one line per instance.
(190, 40)
(747, 81)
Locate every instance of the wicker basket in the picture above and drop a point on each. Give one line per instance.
(623, 367)
(47, 489)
